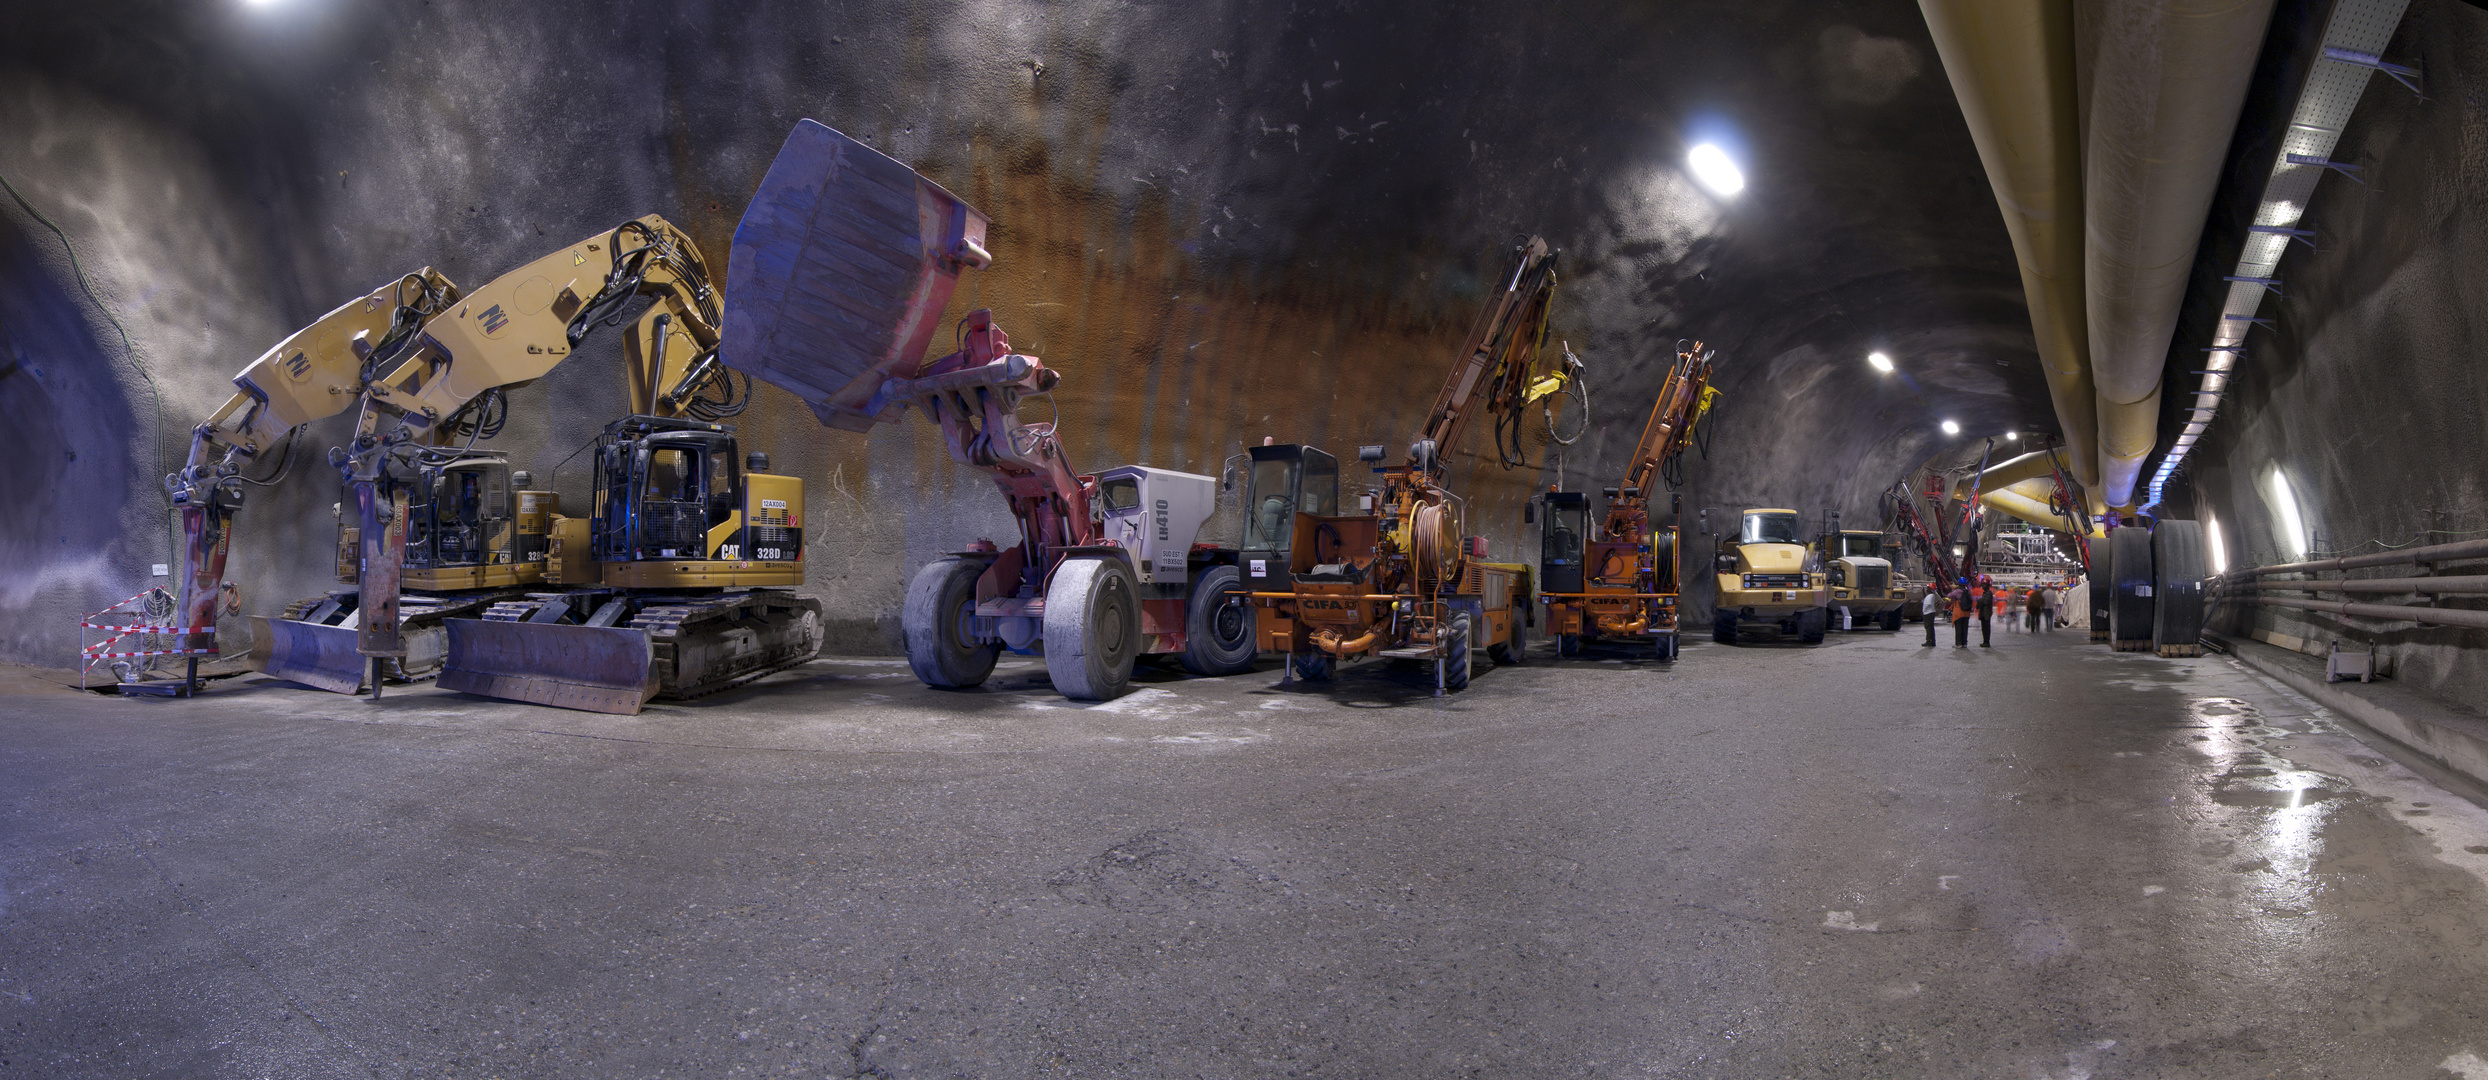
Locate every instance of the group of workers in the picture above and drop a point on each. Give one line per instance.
(2038, 608)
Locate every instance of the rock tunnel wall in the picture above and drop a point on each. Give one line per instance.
(2366, 393)
(1220, 221)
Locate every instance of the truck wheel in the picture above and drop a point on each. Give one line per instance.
(1667, 647)
(1456, 665)
(1514, 652)
(1092, 628)
(1567, 644)
(1218, 625)
(941, 600)
(1810, 625)
(1892, 620)
(1723, 628)
(1315, 666)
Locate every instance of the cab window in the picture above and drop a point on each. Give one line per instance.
(1770, 529)
(673, 474)
(1120, 494)
(1565, 526)
(1270, 507)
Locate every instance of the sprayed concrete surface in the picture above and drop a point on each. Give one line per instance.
(1864, 859)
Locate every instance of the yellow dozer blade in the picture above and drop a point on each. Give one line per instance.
(607, 669)
(317, 656)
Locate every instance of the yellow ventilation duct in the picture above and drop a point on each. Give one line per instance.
(2011, 65)
(2027, 500)
(2166, 82)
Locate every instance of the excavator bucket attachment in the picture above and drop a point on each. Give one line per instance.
(839, 273)
(596, 668)
(317, 656)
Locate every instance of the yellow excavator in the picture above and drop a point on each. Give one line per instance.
(438, 530)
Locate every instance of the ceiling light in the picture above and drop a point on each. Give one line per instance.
(1951, 428)
(2012, 436)
(1712, 167)
(1879, 362)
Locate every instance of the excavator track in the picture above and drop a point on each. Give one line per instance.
(705, 645)
(685, 647)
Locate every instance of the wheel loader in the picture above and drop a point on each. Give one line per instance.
(1621, 582)
(1402, 577)
(1107, 568)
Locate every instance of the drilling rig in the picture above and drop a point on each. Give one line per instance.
(1404, 579)
(1106, 568)
(1622, 582)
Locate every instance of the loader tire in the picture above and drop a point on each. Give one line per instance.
(941, 600)
(1092, 628)
(1219, 625)
(1315, 666)
(1456, 658)
(1514, 652)
(1723, 628)
(1811, 624)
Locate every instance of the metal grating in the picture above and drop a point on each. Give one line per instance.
(2324, 106)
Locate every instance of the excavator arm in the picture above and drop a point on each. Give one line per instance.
(505, 335)
(316, 372)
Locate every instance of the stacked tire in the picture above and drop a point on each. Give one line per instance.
(2177, 588)
(2103, 588)
(2130, 617)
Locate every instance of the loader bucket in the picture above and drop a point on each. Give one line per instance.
(317, 656)
(839, 273)
(605, 669)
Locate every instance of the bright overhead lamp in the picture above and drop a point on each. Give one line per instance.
(1712, 167)
(1951, 428)
(2012, 436)
(1879, 362)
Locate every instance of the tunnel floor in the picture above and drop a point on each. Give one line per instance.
(1867, 858)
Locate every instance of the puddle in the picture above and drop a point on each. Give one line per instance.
(2271, 798)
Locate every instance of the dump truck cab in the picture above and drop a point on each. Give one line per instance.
(1862, 578)
(1769, 578)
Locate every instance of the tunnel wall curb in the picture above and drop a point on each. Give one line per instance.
(2432, 729)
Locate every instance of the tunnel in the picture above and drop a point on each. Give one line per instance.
(1327, 537)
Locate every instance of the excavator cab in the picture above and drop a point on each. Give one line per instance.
(1565, 531)
(459, 517)
(1285, 481)
(662, 494)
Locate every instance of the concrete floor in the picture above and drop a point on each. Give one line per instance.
(1865, 859)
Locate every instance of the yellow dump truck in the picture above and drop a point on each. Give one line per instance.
(1863, 580)
(1769, 578)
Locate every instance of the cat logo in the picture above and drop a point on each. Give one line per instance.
(578, 258)
(298, 366)
(494, 320)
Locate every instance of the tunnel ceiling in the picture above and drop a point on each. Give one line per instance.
(1340, 148)
(1221, 220)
